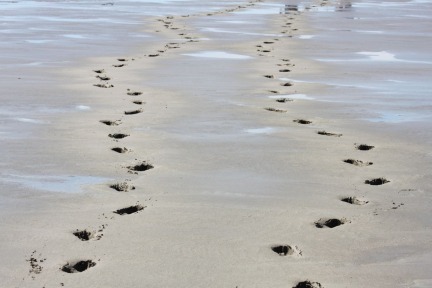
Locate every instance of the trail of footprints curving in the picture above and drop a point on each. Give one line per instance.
(265, 49)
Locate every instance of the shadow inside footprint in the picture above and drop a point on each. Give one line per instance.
(103, 85)
(284, 70)
(144, 166)
(328, 134)
(364, 147)
(275, 110)
(118, 135)
(122, 187)
(110, 123)
(134, 93)
(354, 201)
(99, 71)
(302, 121)
(287, 84)
(377, 181)
(269, 76)
(85, 235)
(103, 78)
(283, 250)
(119, 65)
(80, 266)
(308, 284)
(132, 112)
(357, 162)
(330, 223)
(129, 210)
(284, 100)
(138, 102)
(120, 149)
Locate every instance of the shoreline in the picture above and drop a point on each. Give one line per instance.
(220, 196)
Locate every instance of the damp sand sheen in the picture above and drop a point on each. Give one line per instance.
(213, 145)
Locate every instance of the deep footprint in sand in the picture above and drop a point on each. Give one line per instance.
(302, 121)
(103, 78)
(357, 162)
(287, 84)
(330, 223)
(110, 123)
(120, 150)
(275, 110)
(130, 210)
(78, 267)
(354, 200)
(308, 284)
(144, 166)
(132, 112)
(122, 187)
(118, 135)
(377, 181)
(284, 100)
(86, 235)
(269, 76)
(99, 71)
(284, 250)
(325, 133)
(119, 65)
(134, 93)
(138, 102)
(284, 70)
(364, 147)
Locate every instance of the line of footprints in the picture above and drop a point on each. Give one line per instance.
(263, 49)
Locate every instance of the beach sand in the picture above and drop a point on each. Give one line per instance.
(230, 173)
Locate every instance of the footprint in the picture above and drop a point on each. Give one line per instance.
(132, 112)
(268, 42)
(138, 102)
(328, 134)
(103, 78)
(78, 267)
(354, 201)
(85, 235)
(284, 70)
(120, 150)
(308, 284)
(111, 123)
(122, 59)
(130, 209)
(144, 166)
(118, 135)
(364, 147)
(330, 223)
(284, 100)
(269, 76)
(99, 71)
(287, 84)
(134, 93)
(122, 187)
(275, 110)
(357, 162)
(104, 85)
(274, 91)
(302, 121)
(284, 250)
(119, 65)
(153, 55)
(377, 181)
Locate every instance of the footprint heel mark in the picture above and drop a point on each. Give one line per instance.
(122, 187)
(99, 71)
(325, 133)
(120, 150)
(287, 84)
(138, 102)
(377, 181)
(275, 110)
(130, 210)
(357, 162)
(354, 201)
(119, 65)
(302, 121)
(284, 70)
(78, 267)
(132, 112)
(118, 135)
(364, 147)
(308, 284)
(330, 223)
(110, 123)
(86, 235)
(122, 60)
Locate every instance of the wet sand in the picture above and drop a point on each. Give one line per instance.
(226, 166)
